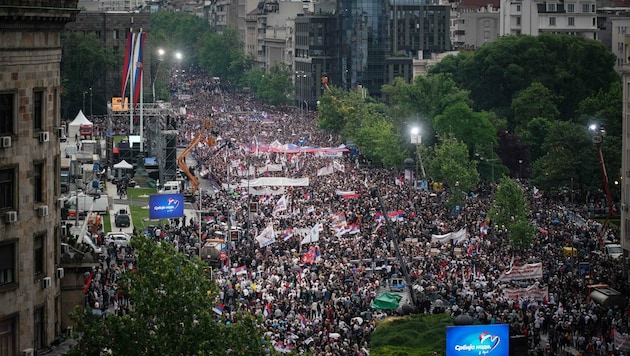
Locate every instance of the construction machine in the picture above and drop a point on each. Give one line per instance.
(203, 135)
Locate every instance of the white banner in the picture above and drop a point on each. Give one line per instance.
(622, 342)
(518, 273)
(457, 236)
(275, 182)
(532, 292)
(266, 237)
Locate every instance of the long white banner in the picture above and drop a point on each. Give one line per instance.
(518, 273)
(532, 292)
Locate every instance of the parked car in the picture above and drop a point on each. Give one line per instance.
(117, 239)
(122, 219)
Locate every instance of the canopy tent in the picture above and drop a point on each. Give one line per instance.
(386, 301)
(120, 169)
(75, 125)
(123, 165)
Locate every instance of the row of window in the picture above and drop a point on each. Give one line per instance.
(8, 110)
(570, 7)
(8, 260)
(9, 187)
(9, 332)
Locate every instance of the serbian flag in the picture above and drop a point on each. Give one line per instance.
(303, 320)
(307, 196)
(354, 229)
(396, 215)
(218, 309)
(267, 310)
(239, 270)
(137, 63)
(287, 234)
(484, 228)
(470, 248)
(347, 194)
(379, 217)
(132, 65)
(126, 65)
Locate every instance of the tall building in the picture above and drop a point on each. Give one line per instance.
(30, 89)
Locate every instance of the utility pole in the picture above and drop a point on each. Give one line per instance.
(91, 104)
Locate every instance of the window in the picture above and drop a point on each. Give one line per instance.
(8, 336)
(7, 113)
(7, 189)
(593, 8)
(7, 265)
(571, 7)
(38, 182)
(552, 21)
(38, 110)
(551, 7)
(38, 254)
(39, 328)
(586, 8)
(571, 21)
(518, 8)
(518, 20)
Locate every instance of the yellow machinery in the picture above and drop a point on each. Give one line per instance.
(204, 135)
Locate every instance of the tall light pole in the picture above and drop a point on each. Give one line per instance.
(416, 139)
(161, 53)
(178, 57)
(84, 94)
(90, 103)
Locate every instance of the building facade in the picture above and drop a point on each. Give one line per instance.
(30, 89)
(476, 23)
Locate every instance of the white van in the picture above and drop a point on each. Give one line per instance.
(614, 251)
(171, 187)
(89, 203)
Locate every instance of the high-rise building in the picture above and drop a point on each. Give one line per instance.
(30, 90)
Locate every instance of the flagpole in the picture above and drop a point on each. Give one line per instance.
(131, 73)
(141, 99)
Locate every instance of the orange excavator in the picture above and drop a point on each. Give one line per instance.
(204, 135)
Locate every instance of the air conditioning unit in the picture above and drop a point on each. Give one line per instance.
(44, 136)
(60, 273)
(64, 230)
(11, 217)
(46, 282)
(60, 202)
(27, 352)
(61, 131)
(42, 210)
(5, 141)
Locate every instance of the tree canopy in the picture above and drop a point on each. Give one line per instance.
(172, 299)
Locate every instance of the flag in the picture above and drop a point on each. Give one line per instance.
(287, 234)
(313, 236)
(303, 320)
(470, 248)
(347, 194)
(239, 270)
(338, 166)
(484, 228)
(266, 237)
(398, 180)
(132, 65)
(218, 309)
(354, 229)
(397, 215)
(281, 205)
(379, 217)
(267, 310)
(126, 65)
(311, 255)
(307, 196)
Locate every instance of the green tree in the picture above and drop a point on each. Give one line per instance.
(521, 233)
(510, 205)
(378, 141)
(571, 67)
(461, 122)
(450, 164)
(84, 65)
(274, 87)
(172, 299)
(534, 101)
(222, 55)
(179, 32)
(569, 156)
(533, 134)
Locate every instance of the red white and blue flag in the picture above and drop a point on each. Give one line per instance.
(287, 234)
(132, 65)
(397, 215)
(239, 270)
(267, 310)
(303, 320)
(484, 228)
(218, 309)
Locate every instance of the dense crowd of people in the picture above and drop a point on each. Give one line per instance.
(316, 294)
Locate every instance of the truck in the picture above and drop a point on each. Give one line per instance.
(64, 175)
(87, 204)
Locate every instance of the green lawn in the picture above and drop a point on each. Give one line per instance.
(140, 217)
(107, 224)
(413, 335)
(140, 194)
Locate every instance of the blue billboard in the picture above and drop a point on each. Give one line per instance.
(492, 339)
(166, 206)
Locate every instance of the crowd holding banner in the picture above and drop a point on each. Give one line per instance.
(313, 256)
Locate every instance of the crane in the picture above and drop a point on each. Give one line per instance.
(598, 138)
(204, 135)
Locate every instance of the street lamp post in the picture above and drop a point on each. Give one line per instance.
(161, 53)
(416, 139)
(84, 94)
(91, 104)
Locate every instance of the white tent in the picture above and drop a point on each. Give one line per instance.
(79, 120)
(120, 169)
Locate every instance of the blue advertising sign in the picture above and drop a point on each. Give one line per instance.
(492, 339)
(166, 206)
